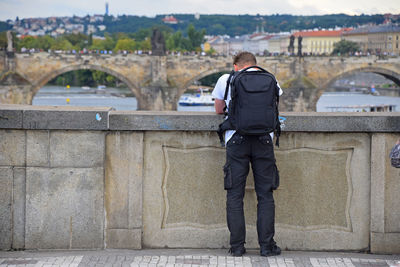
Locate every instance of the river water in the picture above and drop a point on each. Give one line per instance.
(116, 98)
(108, 97)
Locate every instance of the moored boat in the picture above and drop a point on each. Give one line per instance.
(196, 100)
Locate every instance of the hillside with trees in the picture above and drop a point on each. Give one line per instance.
(232, 25)
(240, 24)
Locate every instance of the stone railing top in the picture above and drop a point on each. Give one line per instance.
(103, 118)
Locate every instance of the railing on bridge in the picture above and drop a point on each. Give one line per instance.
(95, 178)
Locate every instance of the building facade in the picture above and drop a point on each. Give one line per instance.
(379, 39)
(318, 42)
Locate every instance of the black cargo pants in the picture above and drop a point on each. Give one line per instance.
(259, 151)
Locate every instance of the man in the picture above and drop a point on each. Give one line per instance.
(240, 151)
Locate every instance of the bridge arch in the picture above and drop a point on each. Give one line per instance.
(50, 76)
(198, 76)
(389, 74)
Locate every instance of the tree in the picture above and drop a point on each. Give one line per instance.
(5, 26)
(79, 40)
(27, 42)
(145, 44)
(62, 44)
(125, 44)
(3, 40)
(44, 42)
(109, 42)
(97, 44)
(196, 38)
(99, 76)
(344, 47)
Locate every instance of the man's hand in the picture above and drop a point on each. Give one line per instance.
(219, 106)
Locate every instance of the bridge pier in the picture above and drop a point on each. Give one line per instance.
(16, 94)
(158, 97)
(300, 95)
(159, 94)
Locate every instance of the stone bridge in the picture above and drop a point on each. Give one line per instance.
(159, 81)
(93, 178)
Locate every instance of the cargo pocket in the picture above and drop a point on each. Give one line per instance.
(275, 178)
(265, 139)
(227, 176)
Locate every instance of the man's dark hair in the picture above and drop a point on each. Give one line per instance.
(244, 58)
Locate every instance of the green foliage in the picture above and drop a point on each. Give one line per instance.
(211, 51)
(62, 44)
(188, 34)
(85, 77)
(177, 42)
(3, 39)
(64, 79)
(145, 44)
(4, 43)
(4, 26)
(125, 44)
(99, 76)
(344, 47)
(142, 34)
(79, 41)
(97, 44)
(196, 38)
(211, 79)
(109, 42)
(235, 24)
(28, 42)
(44, 42)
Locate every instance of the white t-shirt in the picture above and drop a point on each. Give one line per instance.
(219, 92)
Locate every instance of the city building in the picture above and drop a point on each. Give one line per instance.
(359, 36)
(237, 44)
(257, 43)
(170, 20)
(220, 44)
(278, 44)
(379, 39)
(318, 42)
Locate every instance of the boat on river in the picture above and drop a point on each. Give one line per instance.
(200, 99)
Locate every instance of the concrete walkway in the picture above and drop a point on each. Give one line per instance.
(192, 257)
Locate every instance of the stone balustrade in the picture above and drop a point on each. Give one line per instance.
(92, 178)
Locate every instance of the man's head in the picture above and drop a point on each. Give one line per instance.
(243, 60)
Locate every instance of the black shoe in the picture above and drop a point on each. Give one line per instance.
(237, 252)
(272, 251)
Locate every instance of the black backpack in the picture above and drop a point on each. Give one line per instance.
(253, 109)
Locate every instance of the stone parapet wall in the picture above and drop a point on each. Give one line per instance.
(73, 178)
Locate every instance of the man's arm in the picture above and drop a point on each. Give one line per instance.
(219, 106)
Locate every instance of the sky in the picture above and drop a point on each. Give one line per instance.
(10, 9)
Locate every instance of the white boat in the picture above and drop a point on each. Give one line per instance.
(85, 87)
(101, 87)
(196, 100)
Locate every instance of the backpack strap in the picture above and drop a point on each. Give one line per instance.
(226, 124)
(254, 67)
(228, 83)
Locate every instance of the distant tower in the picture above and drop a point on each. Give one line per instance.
(106, 8)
